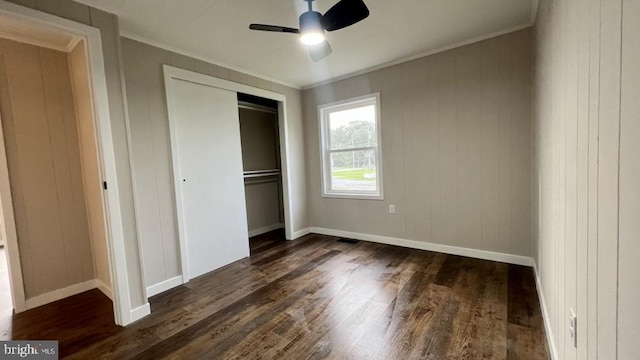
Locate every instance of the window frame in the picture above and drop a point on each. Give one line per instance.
(325, 152)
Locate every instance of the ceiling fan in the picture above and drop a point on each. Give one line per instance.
(313, 25)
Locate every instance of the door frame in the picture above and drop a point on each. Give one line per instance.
(111, 201)
(174, 73)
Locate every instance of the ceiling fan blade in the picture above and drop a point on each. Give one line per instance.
(274, 28)
(344, 13)
(320, 51)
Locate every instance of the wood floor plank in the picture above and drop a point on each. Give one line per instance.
(468, 290)
(525, 332)
(490, 323)
(525, 343)
(314, 298)
(522, 310)
(449, 271)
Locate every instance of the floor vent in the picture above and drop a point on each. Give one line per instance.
(348, 241)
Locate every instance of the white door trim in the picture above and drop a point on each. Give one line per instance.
(8, 226)
(115, 234)
(170, 73)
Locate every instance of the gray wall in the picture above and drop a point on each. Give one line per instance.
(152, 152)
(108, 26)
(456, 136)
(587, 174)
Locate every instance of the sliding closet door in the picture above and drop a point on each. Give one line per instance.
(209, 158)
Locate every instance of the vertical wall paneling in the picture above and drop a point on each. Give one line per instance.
(409, 120)
(556, 166)
(469, 145)
(608, 162)
(456, 138)
(448, 141)
(582, 175)
(521, 144)
(490, 119)
(506, 118)
(628, 327)
(584, 135)
(594, 125)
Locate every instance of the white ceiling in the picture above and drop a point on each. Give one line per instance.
(218, 31)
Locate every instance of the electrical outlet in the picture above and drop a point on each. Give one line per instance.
(573, 327)
(392, 208)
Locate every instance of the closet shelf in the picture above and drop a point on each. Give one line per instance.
(260, 173)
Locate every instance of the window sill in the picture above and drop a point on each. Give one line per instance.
(352, 196)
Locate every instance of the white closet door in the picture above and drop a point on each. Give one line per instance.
(213, 214)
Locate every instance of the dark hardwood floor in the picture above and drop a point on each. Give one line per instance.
(314, 298)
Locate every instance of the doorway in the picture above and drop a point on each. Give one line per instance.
(54, 170)
(262, 170)
(190, 97)
(34, 28)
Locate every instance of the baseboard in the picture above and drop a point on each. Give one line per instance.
(265, 229)
(104, 288)
(59, 294)
(164, 286)
(138, 313)
(551, 345)
(300, 233)
(447, 249)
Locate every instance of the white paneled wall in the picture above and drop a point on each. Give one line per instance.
(629, 247)
(456, 142)
(586, 169)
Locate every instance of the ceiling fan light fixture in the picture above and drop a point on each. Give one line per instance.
(312, 38)
(313, 25)
(311, 30)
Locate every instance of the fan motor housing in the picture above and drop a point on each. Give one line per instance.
(311, 21)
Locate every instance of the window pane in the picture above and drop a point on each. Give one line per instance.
(354, 170)
(353, 128)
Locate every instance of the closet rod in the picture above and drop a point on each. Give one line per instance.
(261, 175)
(250, 106)
(258, 181)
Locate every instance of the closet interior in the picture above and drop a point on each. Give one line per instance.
(260, 139)
(54, 169)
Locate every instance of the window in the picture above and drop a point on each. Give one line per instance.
(350, 145)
